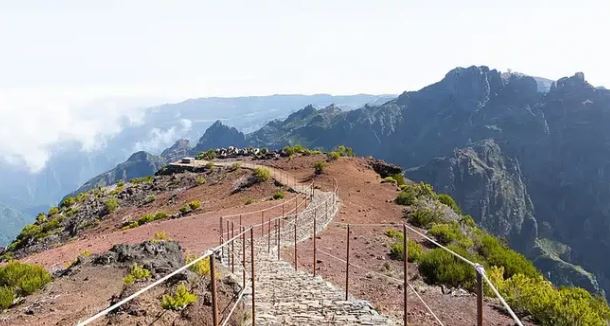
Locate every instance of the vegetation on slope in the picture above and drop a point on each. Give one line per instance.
(19, 280)
(516, 278)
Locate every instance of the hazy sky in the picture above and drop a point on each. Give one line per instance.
(59, 59)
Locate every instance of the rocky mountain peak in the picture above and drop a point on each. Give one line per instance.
(220, 135)
(180, 149)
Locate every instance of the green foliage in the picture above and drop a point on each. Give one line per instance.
(149, 199)
(207, 155)
(195, 204)
(41, 218)
(136, 273)
(249, 201)
(446, 232)
(7, 296)
(547, 304)
(190, 206)
(399, 178)
(333, 156)
(147, 218)
(201, 268)
(235, 166)
(179, 300)
(389, 180)
(278, 195)
(262, 174)
(81, 197)
(498, 254)
(53, 211)
(344, 151)
(438, 266)
(185, 209)
(160, 236)
(393, 233)
(209, 165)
(30, 231)
(449, 201)
(468, 221)
(23, 279)
(67, 202)
(412, 192)
(415, 250)
(424, 217)
(319, 167)
(111, 205)
(295, 149)
(120, 184)
(200, 180)
(142, 180)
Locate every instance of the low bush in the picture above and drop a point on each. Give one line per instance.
(547, 304)
(53, 211)
(179, 300)
(147, 218)
(412, 192)
(207, 155)
(136, 273)
(209, 165)
(333, 156)
(278, 195)
(498, 254)
(449, 201)
(7, 297)
(194, 204)
(394, 233)
(68, 201)
(201, 268)
(149, 199)
(160, 236)
(389, 180)
(200, 180)
(438, 266)
(111, 205)
(185, 209)
(319, 167)
(399, 178)
(344, 151)
(146, 180)
(23, 278)
(468, 221)
(41, 218)
(446, 232)
(262, 174)
(235, 166)
(414, 252)
(424, 217)
(249, 201)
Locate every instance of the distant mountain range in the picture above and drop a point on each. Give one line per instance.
(528, 158)
(25, 193)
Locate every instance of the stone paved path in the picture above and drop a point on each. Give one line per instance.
(288, 297)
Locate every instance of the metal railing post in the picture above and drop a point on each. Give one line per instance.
(279, 234)
(253, 275)
(228, 247)
(269, 235)
(222, 234)
(232, 248)
(213, 280)
(405, 289)
(296, 257)
(347, 267)
(314, 242)
(479, 298)
(243, 256)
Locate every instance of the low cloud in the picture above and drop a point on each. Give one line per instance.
(33, 122)
(159, 139)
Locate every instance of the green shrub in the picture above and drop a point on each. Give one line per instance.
(344, 151)
(207, 155)
(209, 165)
(319, 167)
(180, 300)
(249, 201)
(111, 205)
(142, 180)
(424, 217)
(51, 225)
(185, 209)
(41, 218)
(497, 253)
(446, 233)
(67, 202)
(160, 236)
(30, 231)
(81, 197)
(296, 149)
(438, 266)
(235, 166)
(262, 174)
(23, 278)
(136, 273)
(194, 204)
(414, 254)
(278, 195)
(449, 201)
(389, 180)
(147, 218)
(468, 221)
(394, 233)
(548, 305)
(200, 180)
(333, 156)
(120, 184)
(53, 211)
(201, 268)
(149, 199)
(7, 297)
(399, 178)
(411, 192)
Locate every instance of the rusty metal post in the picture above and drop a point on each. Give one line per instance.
(279, 235)
(222, 234)
(269, 235)
(253, 274)
(479, 299)
(405, 271)
(314, 242)
(213, 280)
(262, 223)
(295, 243)
(232, 248)
(347, 267)
(228, 247)
(243, 256)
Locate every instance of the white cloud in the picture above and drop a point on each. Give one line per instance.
(33, 121)
(159, 139)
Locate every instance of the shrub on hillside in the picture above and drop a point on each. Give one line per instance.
(344, 151)
(147, 218)
(446, 232)
(142, 180)
(23, 278)
(201, 268)
(200, 180)
(160, 236)
(7, 297)
(68, 201)
(53, 211)
(207, 155)
(424, 217)
(136, 273)
(278, 195)
(194, 204)
(179, 300)
(111, 205)
(547, 304)
(319, 167)
(262, 174)
(497, 253)
(449, 201)
(438, 266)
(333, 156)
(414, 253)
(411, 192)
(399, 178)
(41, 218)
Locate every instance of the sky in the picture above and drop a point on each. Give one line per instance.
(71, 70)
